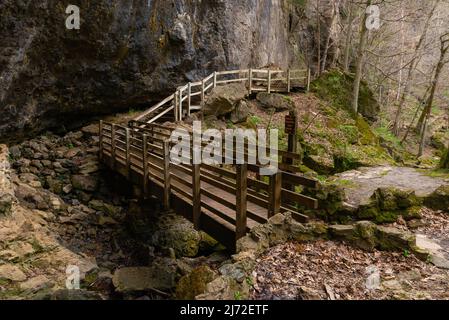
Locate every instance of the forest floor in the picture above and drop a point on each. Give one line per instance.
(330, 270)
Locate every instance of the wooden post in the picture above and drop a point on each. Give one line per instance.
(275, 194)
(269, 81)
(292, 144)
(113, 146)
(128, 155)
(196, 189)
(100, 142)
(176, 106)
(202, 92)
(309, 75)
(215, 79)
(145, 164)
(180, 105)
(189, 98)
(167, 176)
(292, 134)
(241, 193)
(250, 80)
(289, 80)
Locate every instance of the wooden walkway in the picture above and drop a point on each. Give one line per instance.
(224, 201)
(192, 96)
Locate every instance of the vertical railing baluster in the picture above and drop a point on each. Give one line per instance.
(274, 206)
(189, 98)
(309, 75)
(100, 142)
(175, 102)
(167, 176)
(145, 164)
(180, 105)
(203, 93)
(113, 147)
(128, 154)
(196, 189)
(269, 81)
(241, 205)
(250, 80)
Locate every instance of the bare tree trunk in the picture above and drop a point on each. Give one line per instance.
(427, 110)
(423, 138)
(439, 68)
(318, 24)
(329, 36)
(398, 93)
(421, 104)
(360, 61)
(348, 37)
(411, 69)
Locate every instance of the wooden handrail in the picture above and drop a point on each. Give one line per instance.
(216, 77)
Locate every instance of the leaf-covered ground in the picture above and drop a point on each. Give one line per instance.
(331, 270)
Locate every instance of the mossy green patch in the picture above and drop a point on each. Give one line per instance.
(367, 136)
(444, 163)
(336, 88)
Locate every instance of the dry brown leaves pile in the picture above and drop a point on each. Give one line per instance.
(435, 224)
(331, 270)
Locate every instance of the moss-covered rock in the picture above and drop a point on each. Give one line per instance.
(387, 204)
(444, 163)
(439, 199)
(336, 88)
(193, 284)
(173, 231)
(392, 239)
(439, 140)
(339, 142)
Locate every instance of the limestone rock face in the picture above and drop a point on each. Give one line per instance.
(128, 53)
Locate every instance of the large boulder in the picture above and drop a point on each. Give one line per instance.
(223, 99)
(277, 101)
(241, 112)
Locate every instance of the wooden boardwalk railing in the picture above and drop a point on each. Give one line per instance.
(192, 96)
(224, 201)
